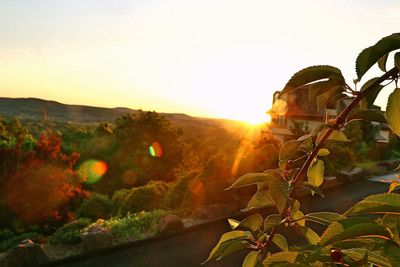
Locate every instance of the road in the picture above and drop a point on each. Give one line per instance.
(192, 247)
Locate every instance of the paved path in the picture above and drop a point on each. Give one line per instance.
(191, 248)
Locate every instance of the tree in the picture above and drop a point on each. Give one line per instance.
(350, 239)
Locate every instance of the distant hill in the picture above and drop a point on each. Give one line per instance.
(35, 109)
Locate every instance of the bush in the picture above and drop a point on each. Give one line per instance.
(133, 225)
(97, 206)
(176, 197)
(341, 157)
(143, 198)
(70, 233)
(9, 239)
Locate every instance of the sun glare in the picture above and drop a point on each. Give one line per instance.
(258, 119)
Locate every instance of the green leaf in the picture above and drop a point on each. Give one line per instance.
(393, 111)
(279, 190)
(392, 221)
(281, 242)
(252, 259)
(323, 152)
(309, 234)
(281, 257)
(315, 173)
(324, 217)
(261, 198)
(294, 205)
(369, 115)
(298, 215)
(380, 203)
(397, 60)
(323, 99)
(355, 243)
(313, 189)
(253, 178)
(392, 253)
(233, 223)
(369, 56)
(336, 136)
(372, 93)
(253, 223)
(352, 228)
(230, 242)
(289, 149)
(382, 62)
(394, 186)
(357, 254)
(309, 75)
(272, 221)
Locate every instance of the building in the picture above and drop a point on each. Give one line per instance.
(298, 107)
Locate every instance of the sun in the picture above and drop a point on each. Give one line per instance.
(258, 119)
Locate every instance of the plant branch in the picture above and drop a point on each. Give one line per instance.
(339, 121)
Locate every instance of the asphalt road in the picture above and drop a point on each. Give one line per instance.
(192, 247)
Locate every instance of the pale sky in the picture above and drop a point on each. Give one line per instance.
(212, 58)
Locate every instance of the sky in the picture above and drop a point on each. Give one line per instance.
(209, 58)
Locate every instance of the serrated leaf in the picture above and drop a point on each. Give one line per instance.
(252, 259)
(309, 75)
(281, 257)
(324, 217)
(253, 223)
(309, 234)
(230, 242)
(372, 93)
(253, 178)
(272, 221)
(279, 190)
(358, 254)
(354, 243)
(288, 149)
(382, 62)
(313, 189)
(369, 56)
(393, 111)
(380, 203)
(323, 152)
(315, 173)
(352, 228)
(294, 205)
(369, 115)
(281, 242)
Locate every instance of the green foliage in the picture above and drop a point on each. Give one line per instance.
(134, 225)
(311, 74)
(371, 55)
(142, 198)
(393, 111)
(70, 232)
(9, 239)
(97, 206)
(368, 233)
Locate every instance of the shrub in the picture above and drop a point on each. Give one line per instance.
(97, 206)
(133, 225)
(70, 233)
(143, 198)
(9, 239)
(176, 198)
(341, 157)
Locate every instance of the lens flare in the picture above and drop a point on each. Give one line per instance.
(91, 171)
(155, 150)
(280, 107)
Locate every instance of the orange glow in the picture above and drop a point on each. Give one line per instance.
(280, 107)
